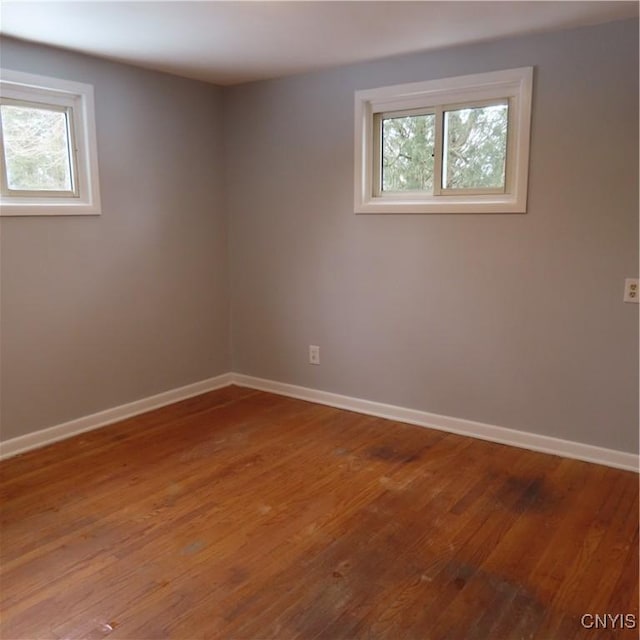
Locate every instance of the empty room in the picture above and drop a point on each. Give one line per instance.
(319, 320)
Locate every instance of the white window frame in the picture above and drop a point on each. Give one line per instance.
(76, 100)
(437, 96)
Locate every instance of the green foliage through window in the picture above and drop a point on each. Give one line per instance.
(475, 147)
(36, 148)
(407, 153)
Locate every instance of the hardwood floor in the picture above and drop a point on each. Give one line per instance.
(241, 514)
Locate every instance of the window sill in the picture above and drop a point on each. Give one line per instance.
(442, 204)
(8, 209)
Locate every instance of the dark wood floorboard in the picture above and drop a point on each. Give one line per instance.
(245, 515)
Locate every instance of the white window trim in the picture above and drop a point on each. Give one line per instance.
(515, 85)
(78, 97)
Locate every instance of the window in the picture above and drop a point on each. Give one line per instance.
(48, 146)
(458, 145)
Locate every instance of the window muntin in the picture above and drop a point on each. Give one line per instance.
(482, 170)
(47, 146)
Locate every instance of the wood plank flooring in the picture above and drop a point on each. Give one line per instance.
(244, 515)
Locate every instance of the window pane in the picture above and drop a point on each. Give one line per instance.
(407, 153)
(475, 147)
(36, 148)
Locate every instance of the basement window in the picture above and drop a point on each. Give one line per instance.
(48, 146)
(457, 145)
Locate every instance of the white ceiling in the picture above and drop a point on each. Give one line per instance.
(232, 42)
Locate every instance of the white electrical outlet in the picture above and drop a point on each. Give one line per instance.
(314, 354)
(631, 290)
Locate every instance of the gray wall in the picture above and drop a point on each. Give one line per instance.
(100, 311)
(513, 320)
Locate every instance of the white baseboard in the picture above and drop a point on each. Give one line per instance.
(102, 418)
(492, 433)
(502, 435)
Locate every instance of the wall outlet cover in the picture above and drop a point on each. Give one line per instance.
(314, 354)
(631, 290)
